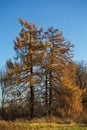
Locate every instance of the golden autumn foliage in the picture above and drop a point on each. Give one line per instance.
(20, 43)
(70, 98)
(42, 78)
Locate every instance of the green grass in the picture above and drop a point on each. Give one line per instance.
(39, 126)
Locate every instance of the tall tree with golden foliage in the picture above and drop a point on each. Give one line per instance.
(30, 49)
(57, 56)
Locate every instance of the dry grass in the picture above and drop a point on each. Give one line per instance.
(17, 125)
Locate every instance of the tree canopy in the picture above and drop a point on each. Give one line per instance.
(42, 79)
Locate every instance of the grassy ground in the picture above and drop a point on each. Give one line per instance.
(39, 126)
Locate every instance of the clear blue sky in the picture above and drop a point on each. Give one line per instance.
(69, 16)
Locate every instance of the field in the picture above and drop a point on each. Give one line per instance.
(17, 125)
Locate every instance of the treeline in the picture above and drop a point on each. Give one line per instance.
(42, 80)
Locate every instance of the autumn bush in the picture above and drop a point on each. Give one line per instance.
(82, 118)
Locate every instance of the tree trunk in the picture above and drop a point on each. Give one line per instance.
(46, 98)
(32, 93)
(32, 102)
(50, 95)
(2, 87)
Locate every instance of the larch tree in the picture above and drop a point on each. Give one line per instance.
(30, 50)
(57, 56)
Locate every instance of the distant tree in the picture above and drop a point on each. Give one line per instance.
(81, 80)
(81, 75)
